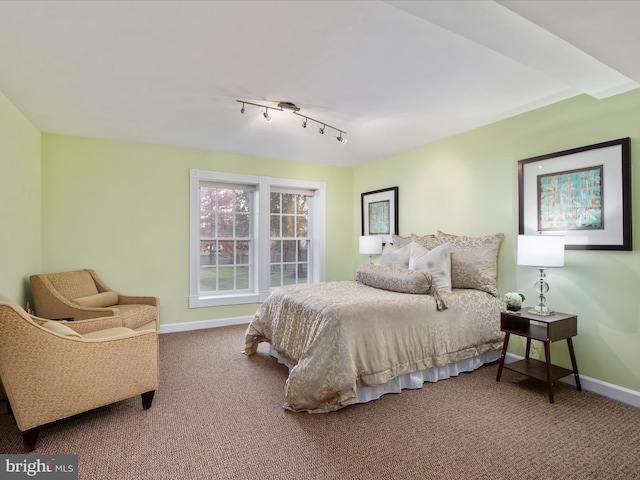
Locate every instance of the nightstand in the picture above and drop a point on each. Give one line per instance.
(547, 329)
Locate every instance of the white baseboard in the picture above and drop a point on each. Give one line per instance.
(201, 325)
(609, 390)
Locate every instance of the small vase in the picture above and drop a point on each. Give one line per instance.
(513, 308)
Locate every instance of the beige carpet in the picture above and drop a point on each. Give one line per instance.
(218, 415)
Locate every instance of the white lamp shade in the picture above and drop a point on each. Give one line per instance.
(370, 245)
(541, 250)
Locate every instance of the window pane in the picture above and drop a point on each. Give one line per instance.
(225, 252)
(276, 251)
(303, 205)
(207, 253)
(242, 278)
(207, 224)
(301, 226)
(303, 273)
(207, 279)
(288, 203)
(275, 225)
(288, 226)
(243, 225)
(225, 200)
(303, 248)
(225, 278)
(225, 225)
(275, 203)
(242, 253)
(207, 198)
(276, 275)
(243, 201)
(289, 274)
(289, 248)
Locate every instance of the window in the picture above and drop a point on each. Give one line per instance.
(250, 234)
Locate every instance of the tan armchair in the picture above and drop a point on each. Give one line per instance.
(51, 371)
(81, 294)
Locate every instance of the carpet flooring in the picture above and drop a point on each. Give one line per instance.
(218, 415)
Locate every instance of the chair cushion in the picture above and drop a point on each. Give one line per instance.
(97, 300)
(136, 315)
(60, 329)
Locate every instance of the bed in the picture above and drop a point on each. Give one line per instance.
(393, 327)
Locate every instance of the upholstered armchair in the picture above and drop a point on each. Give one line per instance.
(53, 370)
(81, 294)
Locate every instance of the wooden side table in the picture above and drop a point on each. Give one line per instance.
(547, 329)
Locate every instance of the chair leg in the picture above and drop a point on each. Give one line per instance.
(29, 439)
(147, 398)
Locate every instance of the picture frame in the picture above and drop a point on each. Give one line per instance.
(583, 193)
(380, 213)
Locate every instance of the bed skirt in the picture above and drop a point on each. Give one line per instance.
(413, 380)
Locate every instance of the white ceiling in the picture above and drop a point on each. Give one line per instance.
(394, 75)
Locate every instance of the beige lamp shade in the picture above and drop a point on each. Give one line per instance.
(370, 245)
(541, 250)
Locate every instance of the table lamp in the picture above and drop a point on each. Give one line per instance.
(541, 251)
(370, 245)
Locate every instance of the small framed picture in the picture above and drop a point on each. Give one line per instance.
(380, 213)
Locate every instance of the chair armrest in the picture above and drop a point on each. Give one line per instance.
(93, 324)
(132, 299)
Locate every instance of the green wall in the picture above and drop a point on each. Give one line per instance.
(123, 210)
(467, 185)
(19, 201)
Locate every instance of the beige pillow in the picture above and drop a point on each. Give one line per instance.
(394, 256)
(474, 261)
(60, 329)
(399, 241)
(104, 299)
(394, 279)
(436, 262)
(427, 241)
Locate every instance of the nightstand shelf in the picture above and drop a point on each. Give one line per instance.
(546, 329)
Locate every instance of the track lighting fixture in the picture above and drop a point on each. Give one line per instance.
(282, 106)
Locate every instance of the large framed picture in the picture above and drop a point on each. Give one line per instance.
(380, 213)
(583, 193)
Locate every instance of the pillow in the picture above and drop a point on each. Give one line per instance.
(104, 299)
(474, 261)
(436, 262)
(399, 241)
(427, 241)
(60, 329)
(394, 256)
(394, 279)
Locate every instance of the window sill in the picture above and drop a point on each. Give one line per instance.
(222, 300)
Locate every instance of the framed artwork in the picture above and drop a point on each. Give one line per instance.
(583, 193)
(380, 213)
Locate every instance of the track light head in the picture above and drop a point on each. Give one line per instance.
(321, 129)
(341, 139)
(304, 124)
(266, 115)
(242, 109)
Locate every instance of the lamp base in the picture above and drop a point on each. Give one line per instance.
(541, 310)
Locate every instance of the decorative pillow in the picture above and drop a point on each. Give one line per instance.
(474, 261)
(394, 279)
(436, 262)
(104, 299)
(60, 329)
(427, 241)
(399, 241)
(394, 256)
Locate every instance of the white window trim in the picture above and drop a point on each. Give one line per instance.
(261, 231)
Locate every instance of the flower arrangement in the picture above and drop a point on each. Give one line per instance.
(513, 300)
